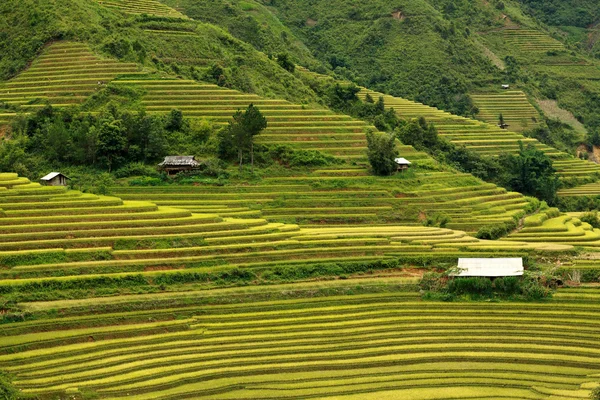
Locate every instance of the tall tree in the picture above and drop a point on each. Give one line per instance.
(239, 134)
(111, 143)
(382, 152)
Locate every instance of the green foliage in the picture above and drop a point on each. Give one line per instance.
(591, 218)
(291, 157)
(496, 231)
(424, 55)
(28, 25)
(239, 134)
(113, 138)
(7, 390)
(419, 134)
(438, 219)
(531, 173)
(284, 62)
(425, 137)
(595, 393)
(530, 287)
(556, 134)
(581, 13)
(382, 152)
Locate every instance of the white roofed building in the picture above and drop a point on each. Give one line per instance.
(489, 267)
(55, 179)
(402, 163)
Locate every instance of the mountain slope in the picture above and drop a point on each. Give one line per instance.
(174, 45)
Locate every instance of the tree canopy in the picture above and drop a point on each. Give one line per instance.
(382, 152)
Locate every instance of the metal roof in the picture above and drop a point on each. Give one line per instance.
(490, 267)
(52, 175)
(180, 161)
(402, 161)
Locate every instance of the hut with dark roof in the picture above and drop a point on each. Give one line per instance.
(173, 165)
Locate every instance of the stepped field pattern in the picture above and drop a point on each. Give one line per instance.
(125, 295)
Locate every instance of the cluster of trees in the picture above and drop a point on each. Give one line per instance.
(580, 13)
(110, 139)
(529, 172)
(238, 137)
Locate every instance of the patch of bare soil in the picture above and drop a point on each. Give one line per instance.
(398, 15)
(311, 22)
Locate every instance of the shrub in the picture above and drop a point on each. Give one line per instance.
(591, 218)
(7, 390)
(496, 231)
(137, 169)
(470, 286)
(595, 393)
(438, 219)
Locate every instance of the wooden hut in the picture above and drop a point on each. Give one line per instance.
(173, 165)
(402, 164)
(55, 179)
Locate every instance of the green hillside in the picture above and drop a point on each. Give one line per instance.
(167, 43)
(298, 260)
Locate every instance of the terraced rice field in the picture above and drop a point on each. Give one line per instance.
(364, 346)
(149, 7)
(563, 229)
(513, 105)
(527, 40)
(299, 126)
(53, 235)
(303, 200)
(591, 189)
(486, 139)
(65, 74)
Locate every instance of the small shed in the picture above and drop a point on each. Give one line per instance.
(176, 164)
(505, 87)
(402, 163)
(55, 179)
(503, 125)
(489, 267)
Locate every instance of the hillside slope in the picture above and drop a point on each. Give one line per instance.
(171, 44)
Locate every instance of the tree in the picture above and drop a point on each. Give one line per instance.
(382, 152)
(595, 394)
(111, 142)
(501, 122)
(175, 121)
(284, 61)
(254, 123)
(239, 134)
(531, 173)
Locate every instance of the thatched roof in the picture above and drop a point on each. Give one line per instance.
(179, 161)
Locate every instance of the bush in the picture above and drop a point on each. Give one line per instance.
(591, 218)
(137, 169)
(439, 219)
(7, 390)
(470, 286)
(146, 181)
(496, 231)
(595, 393)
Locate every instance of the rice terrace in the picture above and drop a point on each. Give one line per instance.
(293, 199)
